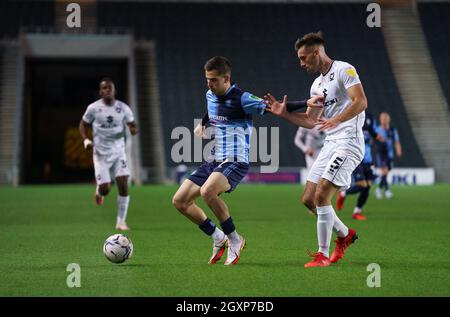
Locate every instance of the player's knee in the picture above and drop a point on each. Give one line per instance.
(308, 202)
(179, 203)
(321, 199)
(208, 193)
(104, 189)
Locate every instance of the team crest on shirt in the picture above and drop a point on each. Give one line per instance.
(118, 110)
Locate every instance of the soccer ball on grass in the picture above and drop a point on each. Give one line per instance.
(118, 248)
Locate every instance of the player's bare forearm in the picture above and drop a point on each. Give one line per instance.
(82, 127)
(359, 103)
(355, 109)
(133, 128)
(300, 119)
(308, 119)
(398, 149)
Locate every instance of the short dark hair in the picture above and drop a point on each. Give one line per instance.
(310, 39)
(107, 79)
(219, 63)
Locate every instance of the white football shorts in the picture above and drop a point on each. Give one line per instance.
(110, 165)
(337, 160)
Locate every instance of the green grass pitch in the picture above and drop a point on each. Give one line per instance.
(44, 228)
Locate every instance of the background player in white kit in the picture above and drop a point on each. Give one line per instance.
(310, 141)
(343, 150)
(108, 117)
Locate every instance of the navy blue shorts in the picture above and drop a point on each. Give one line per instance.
(233, 171)
(363, 172)
(383, 161)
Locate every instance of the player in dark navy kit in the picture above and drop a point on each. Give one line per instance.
(363, 175)
(230, 111)
(385, 153)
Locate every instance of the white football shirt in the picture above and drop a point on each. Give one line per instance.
(108, 125)
(309, 138)
(333, 86)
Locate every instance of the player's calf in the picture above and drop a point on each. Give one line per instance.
(101, 191)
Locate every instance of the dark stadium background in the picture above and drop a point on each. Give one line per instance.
(161, 74)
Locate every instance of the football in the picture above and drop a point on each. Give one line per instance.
(118, 248)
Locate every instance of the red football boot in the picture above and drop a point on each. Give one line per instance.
(358, 216)
(319, 259)
(99, 199)
(342, 245)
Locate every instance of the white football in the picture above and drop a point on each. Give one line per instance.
(118, 248)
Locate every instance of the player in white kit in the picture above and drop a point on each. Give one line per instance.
(108, 118)
(342, 118)
(309, 141)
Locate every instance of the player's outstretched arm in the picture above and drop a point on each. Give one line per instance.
(306, 120)
(82, 127)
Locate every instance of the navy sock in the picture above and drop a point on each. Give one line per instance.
(228, 226)
(384, 183)
(207, 227)
(362, 198)
(354, 189)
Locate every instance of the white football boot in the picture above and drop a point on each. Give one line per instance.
(218, 250)
(234, 251)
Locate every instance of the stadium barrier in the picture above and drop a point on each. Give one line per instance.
(294, 175)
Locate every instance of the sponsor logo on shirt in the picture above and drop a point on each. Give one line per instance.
(110, 123)
(218, 118)
(330, 102)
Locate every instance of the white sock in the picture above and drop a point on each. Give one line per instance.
(325, 220)
(339, 227)
(234, 237)
(97, 192)
(122, 208)
(343, 193)
(357, 210)
(218, 235)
